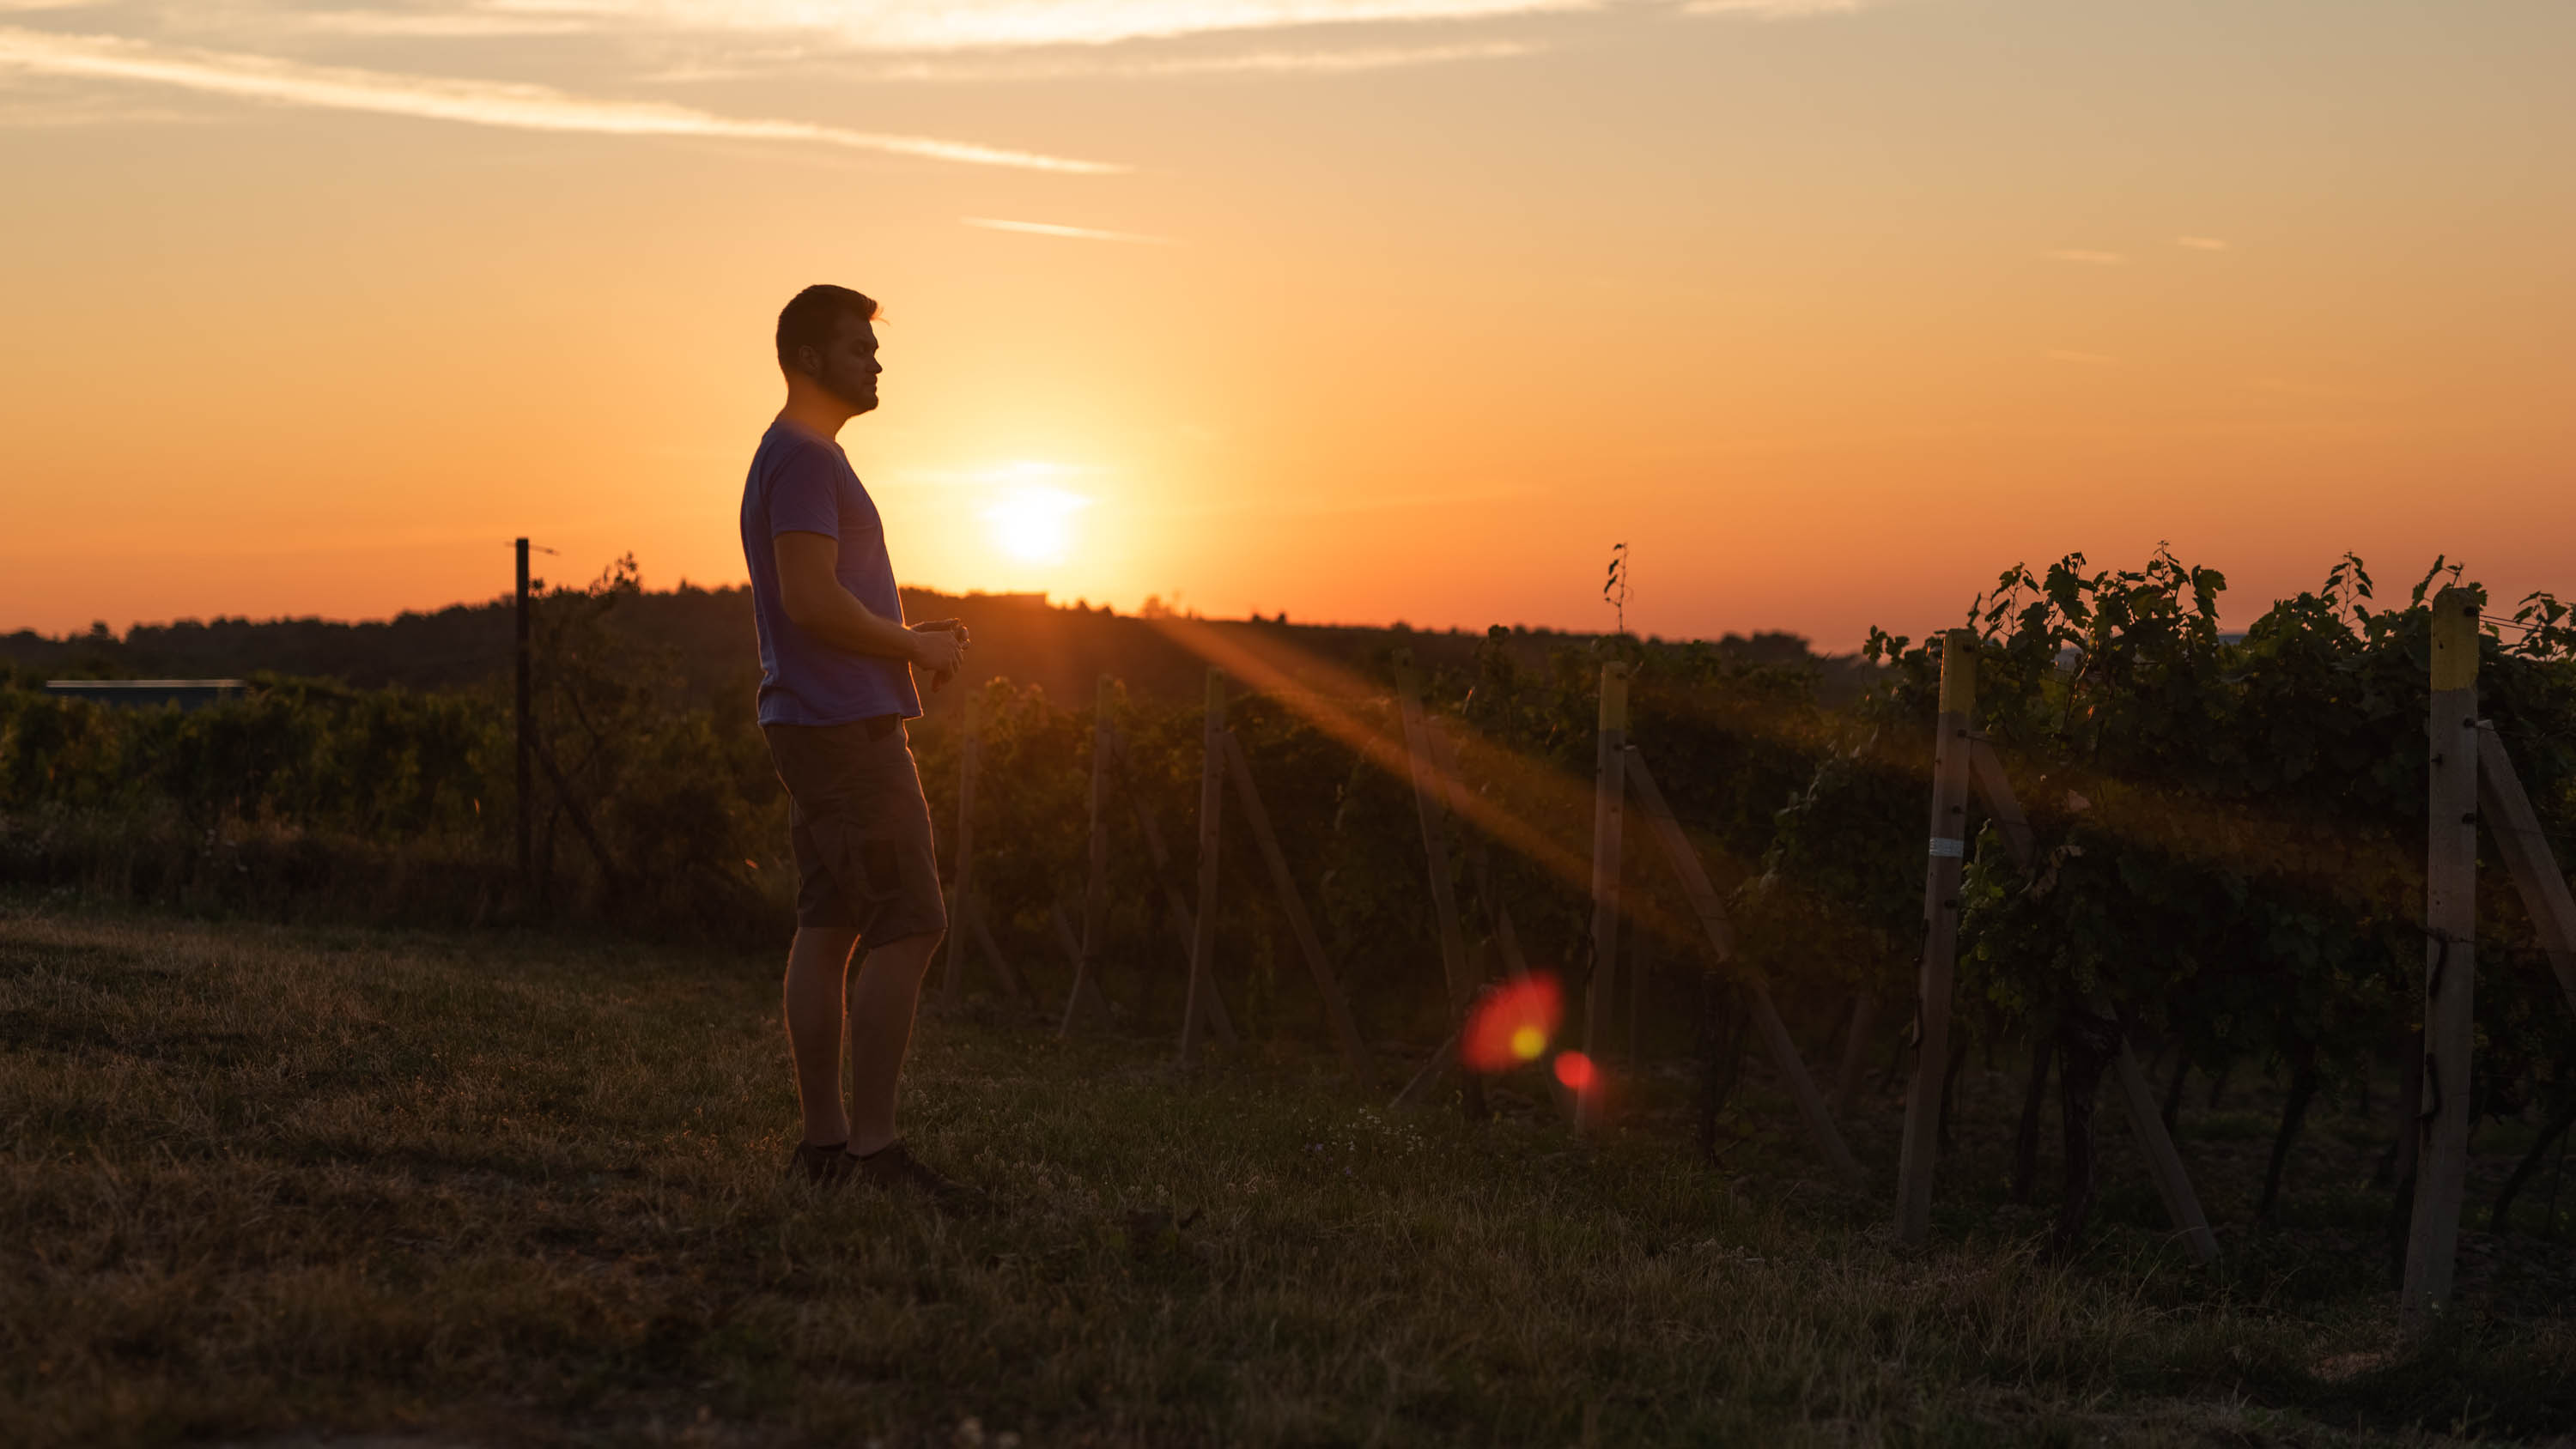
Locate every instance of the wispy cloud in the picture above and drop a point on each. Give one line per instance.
(473, 102)
(2201, 243)
(1260, 62)
(1083, 233)
(432, 25)
(2087, 258)
(906, 25)
(1771, 9)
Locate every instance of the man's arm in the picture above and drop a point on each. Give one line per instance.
(818, 604)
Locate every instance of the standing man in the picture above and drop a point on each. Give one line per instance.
(836, 685)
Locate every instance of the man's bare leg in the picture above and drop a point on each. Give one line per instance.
(818, 970)
(881, 1011)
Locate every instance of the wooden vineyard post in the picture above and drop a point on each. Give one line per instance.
(1095, 889)
(1948, 852)
(1711, 912)
(1428, 809)
(1337, 1012)
(2450, 964)
(1211, 816)
(527, 737)
(1176, 906)
(1609, 821)
(961, 895)
(2146, 1116)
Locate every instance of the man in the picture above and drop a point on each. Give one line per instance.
(836, 685)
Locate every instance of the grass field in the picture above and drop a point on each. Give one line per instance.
(267, 1185)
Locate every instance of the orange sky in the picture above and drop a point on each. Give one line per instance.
(1404, 308)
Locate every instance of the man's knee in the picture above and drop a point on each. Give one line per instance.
(835, 942)
(915, 943)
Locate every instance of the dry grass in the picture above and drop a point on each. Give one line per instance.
(263, 1183)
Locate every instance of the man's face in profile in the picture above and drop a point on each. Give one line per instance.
(850, 366)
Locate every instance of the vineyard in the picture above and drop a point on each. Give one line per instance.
(2215, 866)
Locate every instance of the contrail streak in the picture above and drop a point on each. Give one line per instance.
(479, 103)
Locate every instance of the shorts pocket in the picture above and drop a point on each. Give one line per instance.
(867, 868)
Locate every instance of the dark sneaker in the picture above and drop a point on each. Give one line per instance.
(894, 1168)
(822, 1164)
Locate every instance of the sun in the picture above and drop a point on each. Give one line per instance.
(1031, 523)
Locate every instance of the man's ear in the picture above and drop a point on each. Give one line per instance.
(809, 361)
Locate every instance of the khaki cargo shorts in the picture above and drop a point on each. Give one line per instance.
(864, 858)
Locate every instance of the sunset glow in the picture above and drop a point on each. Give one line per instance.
(1035, 525)
(1365, 309)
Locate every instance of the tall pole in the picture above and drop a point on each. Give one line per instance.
(527, 730)
(1952, 761)
(2450, 971)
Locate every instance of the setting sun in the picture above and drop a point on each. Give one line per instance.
(1033, 524)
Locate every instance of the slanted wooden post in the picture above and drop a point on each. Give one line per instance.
(1480, 867)
(2526, 853)
(1711, 912)
(961, 894)
(1429, 809)
(2146, 1116)
(1641, 958)
(1855, 1050)
(1176, 907)
(1337, 1012)
(1003, 972)
(1609, 822)
(1950, 766)
(1086, 993)
(1506, 939)
(2450, 964)
(1095, 890)
(1211, 816)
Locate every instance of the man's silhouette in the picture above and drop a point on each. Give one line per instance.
(836, 685)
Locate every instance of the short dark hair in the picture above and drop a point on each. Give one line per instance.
(810, 316)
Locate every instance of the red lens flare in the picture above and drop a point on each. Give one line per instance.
(1512, 1026)
(1574, 1069)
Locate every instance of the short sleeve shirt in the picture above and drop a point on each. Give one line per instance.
(802, 483)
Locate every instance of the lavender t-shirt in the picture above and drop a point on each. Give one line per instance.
(801, 483)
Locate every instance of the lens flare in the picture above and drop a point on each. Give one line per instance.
(1512, 1024)
(1574, 1069)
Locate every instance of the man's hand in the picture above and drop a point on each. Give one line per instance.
(939, 647)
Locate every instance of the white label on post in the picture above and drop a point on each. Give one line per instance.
(1948, 849)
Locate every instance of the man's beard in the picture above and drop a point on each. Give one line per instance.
(861, 399)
